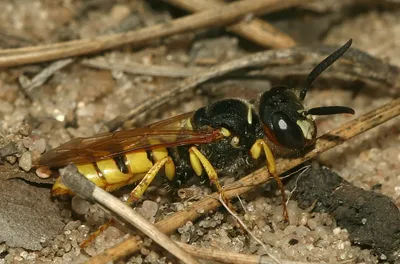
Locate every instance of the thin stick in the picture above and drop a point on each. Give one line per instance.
(232, 257)
(42, 77)
(138, 68)
(275, 259)
(85, 188)
(255, 30)
(245, 184)
(213, 17)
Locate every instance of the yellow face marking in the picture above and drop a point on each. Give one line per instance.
(138, 162)
(195, 163)
(111, 172)
(307, 128)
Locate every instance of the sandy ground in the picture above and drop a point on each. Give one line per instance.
(78, 101)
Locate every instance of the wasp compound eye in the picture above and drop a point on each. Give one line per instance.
(287, 132)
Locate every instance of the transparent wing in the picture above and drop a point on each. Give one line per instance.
(166, 133)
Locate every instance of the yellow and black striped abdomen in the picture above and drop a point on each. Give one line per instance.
(111, 174)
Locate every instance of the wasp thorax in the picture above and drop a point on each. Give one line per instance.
(284, 122)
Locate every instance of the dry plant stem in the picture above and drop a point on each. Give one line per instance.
(255, 30)
(43, 76)
(232, 257)
(137, 68)
(275, 259)
(214, 17)
(125, 212)
(245, 184)
(82, 186)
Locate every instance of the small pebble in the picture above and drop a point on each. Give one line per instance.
(79, 205)
(119, 13)
(39, 145)
(11, 159)
(290, 229)
(24, 254)
(152, 257)
(336, 231)
(25, 161)
(66, 213)
(311, 223)
(149, 209)
(72, 225)
(112, 233)
(144, 251)
(43, 172)
(27, 142)
(6, 107)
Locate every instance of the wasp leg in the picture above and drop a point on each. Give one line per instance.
(255, 151)
(133, 196)
(211, 173)
(147, 179)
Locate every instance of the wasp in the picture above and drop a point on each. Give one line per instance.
(227, 137)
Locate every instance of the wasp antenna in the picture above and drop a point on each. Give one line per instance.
(322, 66)
(330, 110)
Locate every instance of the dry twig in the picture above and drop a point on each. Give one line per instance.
(214, 17)
(85, 188)
(242, 224)
(40, 78)
(245, 184)
(138, 68)
(255, 30)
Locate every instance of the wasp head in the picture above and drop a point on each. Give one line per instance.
(284, 118)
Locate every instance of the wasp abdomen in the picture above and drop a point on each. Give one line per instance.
(107, 174)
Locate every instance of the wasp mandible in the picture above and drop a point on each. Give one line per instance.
(226, 137)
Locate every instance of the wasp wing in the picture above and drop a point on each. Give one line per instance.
(167, 133)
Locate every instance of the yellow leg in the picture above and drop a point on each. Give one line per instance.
(133, 196)
(255, 151)
(147, 179)
(211, 173)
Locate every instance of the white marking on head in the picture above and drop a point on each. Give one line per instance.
(282, 124)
